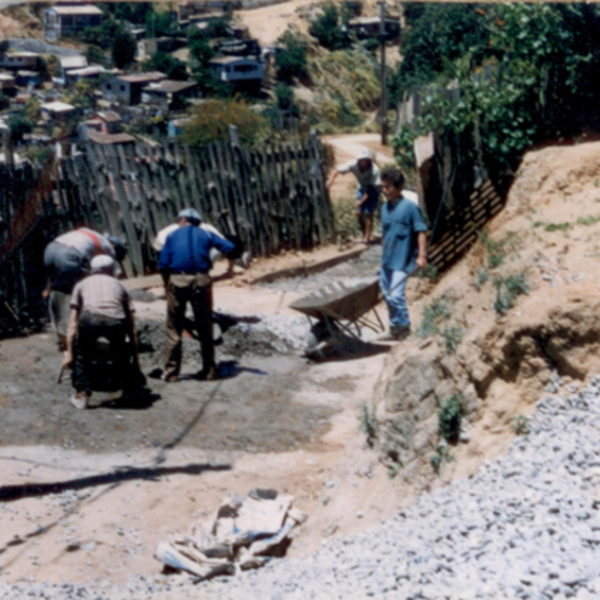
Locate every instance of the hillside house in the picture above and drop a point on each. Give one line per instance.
(70, 63)
(105, 122)
(16, 61)
(369, 27)
(7, 85)
(58, 112)
(169, 94)
(238, 71)
(60, 21)
(148, 47)
(26, 78)
(105, 139)
(92, 73)
(127, 89)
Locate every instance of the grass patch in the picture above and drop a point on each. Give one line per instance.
(497, 250)
(508, 289)
(520, 425)
(430, 272)
(587, 221)
(442, 455)
(368, 423)
(452, 337)
(557, 227)
(481, 278)
(433, 315)
(450, 417)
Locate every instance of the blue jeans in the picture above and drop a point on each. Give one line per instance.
(396, 298)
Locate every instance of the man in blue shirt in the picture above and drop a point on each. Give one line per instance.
(404, 249)
(184, 263)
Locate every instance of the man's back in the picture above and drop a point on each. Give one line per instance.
(102, 295)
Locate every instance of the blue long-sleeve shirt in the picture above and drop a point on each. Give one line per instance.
(187, 250)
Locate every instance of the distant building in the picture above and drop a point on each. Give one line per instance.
(70, 63)
(238, 71)
(105, 122)
(7, 85)
(56, 111)
(369, 27)
(60, 21)
(16, 61)
(105, 138)
(88, 73)
(127, 89)
(148, 47)
(26, 78)
(169, 94)
(175, 127)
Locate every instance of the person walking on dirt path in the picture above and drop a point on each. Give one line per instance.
(101, 307)
(67, 261)
(184, 264)
(368, 190)
(404, 248)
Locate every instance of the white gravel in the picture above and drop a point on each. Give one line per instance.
(527, 527)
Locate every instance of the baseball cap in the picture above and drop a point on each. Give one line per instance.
(189, 213)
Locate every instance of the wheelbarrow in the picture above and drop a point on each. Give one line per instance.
(339, 309)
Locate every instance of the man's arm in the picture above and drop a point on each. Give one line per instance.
(422, 244)
(71, 334)
(332, 178)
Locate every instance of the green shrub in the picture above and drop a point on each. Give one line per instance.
(520, 425)
(481, 278)
(587, 221)
(449, 418)
(442, 455)
(452, 337)
(291, 62)
(508, 289)
(210, 123)
(432, 317)
(327, 28)
(558, 226)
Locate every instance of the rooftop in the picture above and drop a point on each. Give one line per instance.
(57, 107)
(143, 77)
(232, 59)
(110, 116)
(109, 138)
(170, 86)
(86, 9)
(73, 62)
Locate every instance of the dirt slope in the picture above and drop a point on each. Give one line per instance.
(549, 234)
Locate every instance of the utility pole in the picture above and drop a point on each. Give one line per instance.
(383, 102)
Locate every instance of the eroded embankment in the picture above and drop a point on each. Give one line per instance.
(520, 311)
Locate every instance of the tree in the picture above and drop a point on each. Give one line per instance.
(210, 123)
(159, 24)
(123, 49)
(291, 60)
(18, 127)
(172, 67)
(328, 30)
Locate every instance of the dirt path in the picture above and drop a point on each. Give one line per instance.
(89, 494)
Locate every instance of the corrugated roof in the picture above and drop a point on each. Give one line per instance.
(143, 77)
(57, 106)
(88, 71)
(86, 9)
(109, 138)
(231, 59)
(110, 116)
(73, 62)
(170, 86)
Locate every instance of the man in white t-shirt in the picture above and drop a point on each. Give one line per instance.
(368, 189)
(67, 260)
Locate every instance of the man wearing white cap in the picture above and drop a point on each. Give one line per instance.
(100, 307)
(368, 189)
(184, 263)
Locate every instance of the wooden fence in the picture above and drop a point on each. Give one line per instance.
(272, 197)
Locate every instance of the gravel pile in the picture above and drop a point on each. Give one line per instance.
(366, 265)
(527, 526)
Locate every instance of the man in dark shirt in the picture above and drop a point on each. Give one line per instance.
(184, 264)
